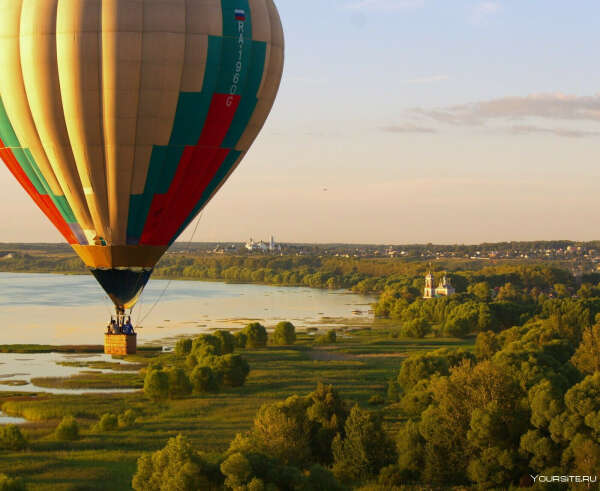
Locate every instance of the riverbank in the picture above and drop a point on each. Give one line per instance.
(211, 421)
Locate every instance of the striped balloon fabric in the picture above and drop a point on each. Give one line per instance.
(122, 118)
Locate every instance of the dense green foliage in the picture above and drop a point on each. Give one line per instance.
(284, 334)
(11, 438)
(287, 448)
(11, 483)
(67, 429)
(527, 404)
(255, 335)
(202, 365)
(490, 299)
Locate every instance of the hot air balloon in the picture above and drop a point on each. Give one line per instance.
(122, 118)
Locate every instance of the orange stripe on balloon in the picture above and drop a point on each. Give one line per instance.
(44, 202)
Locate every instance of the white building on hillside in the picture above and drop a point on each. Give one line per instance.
(444, 288)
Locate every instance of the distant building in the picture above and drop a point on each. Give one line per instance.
(444, 288)
(262, 246)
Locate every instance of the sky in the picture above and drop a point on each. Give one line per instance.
(413, 121)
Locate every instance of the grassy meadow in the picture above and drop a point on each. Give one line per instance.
(359, 365)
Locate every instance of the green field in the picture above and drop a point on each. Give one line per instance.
(359, 366)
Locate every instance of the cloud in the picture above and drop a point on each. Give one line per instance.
(564, 132)
(407, 128)
(484, 10)
(385, 5)
(427, 80)
(544, 106)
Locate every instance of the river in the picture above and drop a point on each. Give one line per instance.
(71, 309)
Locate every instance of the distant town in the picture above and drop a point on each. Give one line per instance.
(578, 257)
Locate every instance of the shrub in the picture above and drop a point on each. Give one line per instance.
(175, 467)
(393, 391)
(227, 340)
(179, 383)
(232, 370)
(240, 339)
(183, 347)
(416, 328)
(127, 419)
(156, 384)
(285, 334)
(328, 338)
(11, 483)
(376, 400)
(256, 335)
(67, 430)
(11, 438)
(206, 344)
(108, 422)
(204, 380)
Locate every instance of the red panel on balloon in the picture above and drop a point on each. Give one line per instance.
(168, 212)
(219, 119)
(195, 171)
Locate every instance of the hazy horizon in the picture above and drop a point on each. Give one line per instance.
(418, 122)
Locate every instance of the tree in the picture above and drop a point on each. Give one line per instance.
(11, 483)
(227, 340)
(127, 419)
(321, 479)
(327, 413)
(177, 467)
(256, 335)
(328, 338)
(285, 334)
(108, 422)
(410, 446)
(232, 370)
(508, 293)
(68, 429)
(393, 391)
(416, 328)
(11, 438)
(421, 366)
(481, 290)
(587, 356)
(486, 345)
(240, 339)
(183, 347)
(206, 345)
(365, 449)
(282, 430)
(237, 471)
(156, 384)
(204, 380)
(179, 383)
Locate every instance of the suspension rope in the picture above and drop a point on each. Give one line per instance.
(189, 246)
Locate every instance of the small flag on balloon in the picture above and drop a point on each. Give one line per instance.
(240, 15)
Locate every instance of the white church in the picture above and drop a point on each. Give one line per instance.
(444, 288)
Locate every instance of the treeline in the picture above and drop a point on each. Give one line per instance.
(492, 299)
(525, 403)
(27, 263)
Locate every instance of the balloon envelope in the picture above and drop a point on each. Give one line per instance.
(122, 118)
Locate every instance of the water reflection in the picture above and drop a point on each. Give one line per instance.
(59, 309)
(9, 420)
(16, 372)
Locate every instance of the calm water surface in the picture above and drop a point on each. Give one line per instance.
(21, 368)
(59, 309)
